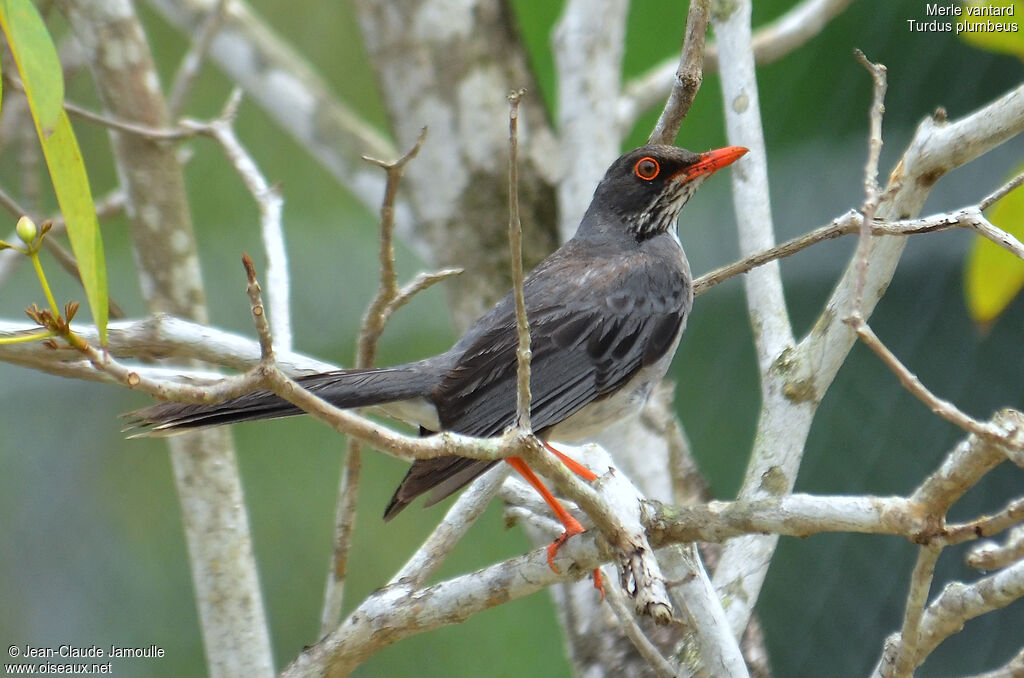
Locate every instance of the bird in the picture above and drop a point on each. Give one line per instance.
(606, 311)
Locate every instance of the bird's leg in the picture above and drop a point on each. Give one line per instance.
(573, 465)
(572, 526)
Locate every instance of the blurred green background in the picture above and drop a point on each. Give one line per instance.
(91, 547)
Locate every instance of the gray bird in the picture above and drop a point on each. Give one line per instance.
(606, 312)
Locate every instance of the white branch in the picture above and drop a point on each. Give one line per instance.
(766, 303)
(469, 506)
(959, 603)
(156, 337)
(269, 201)
(695, 596)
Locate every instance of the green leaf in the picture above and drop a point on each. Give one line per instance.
(994, 33)
(71, 184)
(43, 79)
(993, 276)
(36, 58)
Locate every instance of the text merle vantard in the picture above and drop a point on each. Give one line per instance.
(969, 19)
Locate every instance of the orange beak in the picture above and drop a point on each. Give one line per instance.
(712, 161)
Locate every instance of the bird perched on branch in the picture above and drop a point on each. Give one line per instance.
(606, 311)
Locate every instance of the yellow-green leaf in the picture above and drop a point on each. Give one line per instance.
(993, 32)
(36, 59)
(71, 184)
(993, 276)
(41, 74)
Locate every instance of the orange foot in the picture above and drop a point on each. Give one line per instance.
(572, 526)
(570, 530)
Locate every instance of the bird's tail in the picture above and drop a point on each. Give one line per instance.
(341, 388)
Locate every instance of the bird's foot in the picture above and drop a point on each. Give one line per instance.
(553, 547)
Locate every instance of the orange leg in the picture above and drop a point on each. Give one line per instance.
(573, 465)
(572, 526)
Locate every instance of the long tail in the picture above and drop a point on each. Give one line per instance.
(342, 388)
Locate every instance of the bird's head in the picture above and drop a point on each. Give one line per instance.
(647, 187)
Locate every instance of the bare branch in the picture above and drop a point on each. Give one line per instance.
(688, 78)
(469, 506)
(161, 336)
(374, 320)
(718, 650)
(850, 222)
(515, 244)
(770, 43)
(872, 194)
(766, 304)
(943, 408)
(969, 461)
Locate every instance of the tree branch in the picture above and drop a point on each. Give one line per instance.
(769, 43)
(688, 77)
(374, 321)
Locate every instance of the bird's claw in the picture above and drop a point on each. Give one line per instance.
(553, 551)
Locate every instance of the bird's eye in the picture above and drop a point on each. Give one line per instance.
(646, 168)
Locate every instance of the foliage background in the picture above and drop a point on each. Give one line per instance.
(91, 549)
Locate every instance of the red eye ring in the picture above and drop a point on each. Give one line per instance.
(647, 168)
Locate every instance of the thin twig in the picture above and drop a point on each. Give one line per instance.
(269, 201)
(688, 77)
(191, 64)
(120, 125)
(968, 218)
(515, 243)
(469, 506)
(769, 43)
(986, 526)
(1001, 192)
(258, 313)
(943, 408)
(959, 603)
(376, 317)
(872, 193)
(387, 292)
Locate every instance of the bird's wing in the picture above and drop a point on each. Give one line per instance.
(589, 336)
